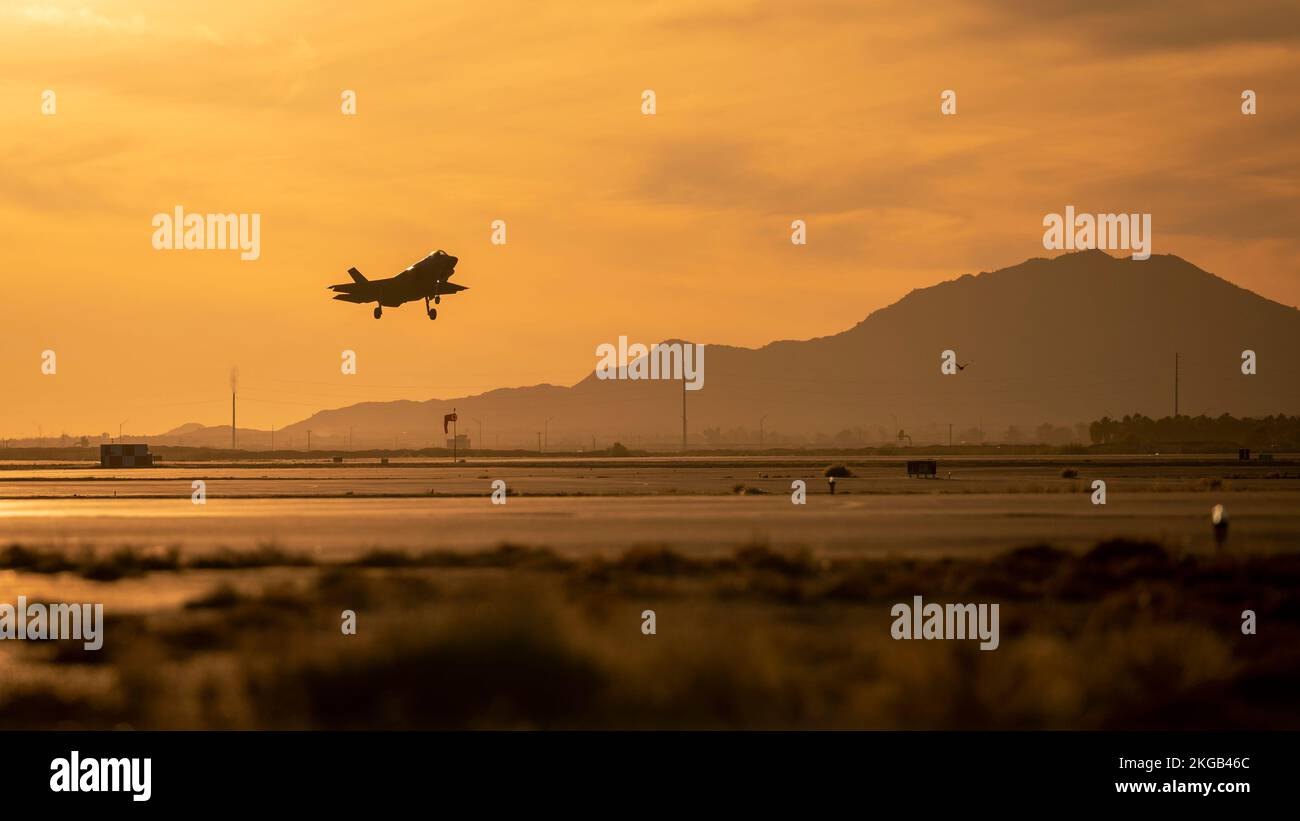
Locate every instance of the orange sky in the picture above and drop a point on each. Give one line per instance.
(673, 225)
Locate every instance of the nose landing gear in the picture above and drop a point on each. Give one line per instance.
(378, 312)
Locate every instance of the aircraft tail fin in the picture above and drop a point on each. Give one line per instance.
(356, 275)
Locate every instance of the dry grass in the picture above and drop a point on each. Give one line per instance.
(1127, 635)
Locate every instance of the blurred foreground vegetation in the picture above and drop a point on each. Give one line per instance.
(1127, 635)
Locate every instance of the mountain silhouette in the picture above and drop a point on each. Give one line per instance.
(1063, 341)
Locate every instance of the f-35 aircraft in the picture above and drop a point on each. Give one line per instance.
(424, 280)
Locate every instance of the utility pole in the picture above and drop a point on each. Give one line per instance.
(1175, 384)
(683, 411)
(234, 389)
(309, 440)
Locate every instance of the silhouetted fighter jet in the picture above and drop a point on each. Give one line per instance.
(426, 278)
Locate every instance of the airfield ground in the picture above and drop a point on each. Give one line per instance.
(769, 614)
(699, 505)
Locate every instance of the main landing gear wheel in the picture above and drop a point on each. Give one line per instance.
(433, 313)
(378, 312)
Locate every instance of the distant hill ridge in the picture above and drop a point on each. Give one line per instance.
(1062, 340)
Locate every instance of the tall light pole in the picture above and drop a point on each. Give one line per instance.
(119, 430)
(683, 410)
(234, 388)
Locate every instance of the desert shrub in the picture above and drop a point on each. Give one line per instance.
(266, 555)
(218, 598)
(33, 560)
(657, 560)
(796, 562)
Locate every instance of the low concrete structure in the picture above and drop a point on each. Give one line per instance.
(922, 467)
(125, 456)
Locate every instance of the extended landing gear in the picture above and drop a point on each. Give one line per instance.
(433, 312)
(378, 312)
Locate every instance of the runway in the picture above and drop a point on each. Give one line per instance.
(907, 525)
